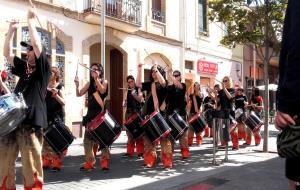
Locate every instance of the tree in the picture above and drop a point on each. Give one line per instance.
(252, 22)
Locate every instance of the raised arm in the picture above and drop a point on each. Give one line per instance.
(34, 37)
(83, 90)
(139, 76)
(7, 49)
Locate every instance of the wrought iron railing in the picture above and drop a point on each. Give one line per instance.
(158, 15)
(125, 10)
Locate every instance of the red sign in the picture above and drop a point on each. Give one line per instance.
(252, 72)
(207, 67)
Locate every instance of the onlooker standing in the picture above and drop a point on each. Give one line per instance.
(288, 99)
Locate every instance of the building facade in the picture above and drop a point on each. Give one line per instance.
(174, 34)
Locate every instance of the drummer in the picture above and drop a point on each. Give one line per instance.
(34, 74)
(195, 101)
(97, 89)
(241, 102)
(176, 101)
(3, 88)
(155, 101)
(256, 105)
(55, 101)
(132, 100)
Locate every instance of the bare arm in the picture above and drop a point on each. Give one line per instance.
(3, 86)
(175, 82)
(7, 50)
(161, 79)
(34, 37)
(59, 96)
(139, 76)
(138, 96)
(101, 87)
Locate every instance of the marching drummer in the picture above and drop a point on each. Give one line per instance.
(241, 102)
(3, 88)
(132, 100)
(176, 101)
(155, 101)
(34, 75)
(256, 105)
(97, 89)
(195, 103)
(55, 101)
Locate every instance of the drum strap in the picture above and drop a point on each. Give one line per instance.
(98, 99)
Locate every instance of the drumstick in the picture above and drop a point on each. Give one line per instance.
(120, 88)
(16, 21)
(218, 81)
(86, 67)
(32, 5)
(77, 68)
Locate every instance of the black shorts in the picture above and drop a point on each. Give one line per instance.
(292, 169)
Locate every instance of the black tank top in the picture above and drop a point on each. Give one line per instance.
(94, 107)
(132, 103)
(54, 108)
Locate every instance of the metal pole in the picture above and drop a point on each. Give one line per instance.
(102, 33)
(254, 66)
(266, 95)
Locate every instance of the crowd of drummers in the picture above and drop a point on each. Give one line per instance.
(159, 112)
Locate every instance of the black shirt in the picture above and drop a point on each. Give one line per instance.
(94, 107)
(176, 100)
(34, 88)
(54, 108)
(199, 103)
(208, 103)
(161, 95)
(132, 103)
(288, 99)
(225, 102)
(240, 101)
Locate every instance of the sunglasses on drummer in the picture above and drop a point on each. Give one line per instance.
(130, 81)
(225, 80)
(176, 75)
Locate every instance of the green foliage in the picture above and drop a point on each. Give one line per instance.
(246, 21)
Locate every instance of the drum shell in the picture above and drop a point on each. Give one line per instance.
(198, 123)
(240, 115)
(58, 136)
(253, 122)
(104, 129)
(12, 112)
(155, 127)
(133, 125)
(178, 125)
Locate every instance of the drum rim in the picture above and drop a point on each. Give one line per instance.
(194, 118)
(131, 118)
(101, 116)
(147, 119)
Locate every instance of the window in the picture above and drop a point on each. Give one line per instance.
(158, 10)
(60, 59)
(189, 65)
(202, 16)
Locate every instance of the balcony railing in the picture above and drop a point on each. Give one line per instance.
(125, 10)
(158, 15)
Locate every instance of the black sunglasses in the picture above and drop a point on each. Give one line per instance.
(176, 75)
(225, 80)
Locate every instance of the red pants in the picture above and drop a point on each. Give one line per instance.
(257, 136)
(191, 136)
(132, 143)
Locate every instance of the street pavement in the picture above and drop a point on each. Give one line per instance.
(247, 167)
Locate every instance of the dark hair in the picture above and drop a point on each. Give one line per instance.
(129, 77)
(56, 73)
(255, 91)
(176, 72)
(100, 67)
(196, 83)
(160, 69)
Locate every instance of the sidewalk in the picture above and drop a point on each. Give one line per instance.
(247, 167)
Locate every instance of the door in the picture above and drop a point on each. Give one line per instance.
(116, 81)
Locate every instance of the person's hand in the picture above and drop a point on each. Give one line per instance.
(76, 81)
(283, 120)
(31, 13)
(223, 85)
(133, 92)
(140, 65)
(13, 25)
(95, 74)
(54, 92)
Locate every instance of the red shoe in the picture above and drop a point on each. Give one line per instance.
(104, 164)
(87, 167)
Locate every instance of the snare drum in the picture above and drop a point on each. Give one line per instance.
(133, 125)
(104, 129)
(253, 121)
(12, 112)
(178, 125)
(58, 136)
(198, 123)
(239, 115)
(155, 127)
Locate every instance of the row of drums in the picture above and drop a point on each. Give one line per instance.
(104, 129)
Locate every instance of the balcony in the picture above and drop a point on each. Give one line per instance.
(121, 14)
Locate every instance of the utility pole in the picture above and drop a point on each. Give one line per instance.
(102, 33)
(266, 69)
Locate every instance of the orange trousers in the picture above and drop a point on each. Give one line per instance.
(150, 154)
(191, 137)
(183, 142)
(241, 130)
(50, 158)
(257, 136)
(134, 143)
(90, 160)
(27, 141)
